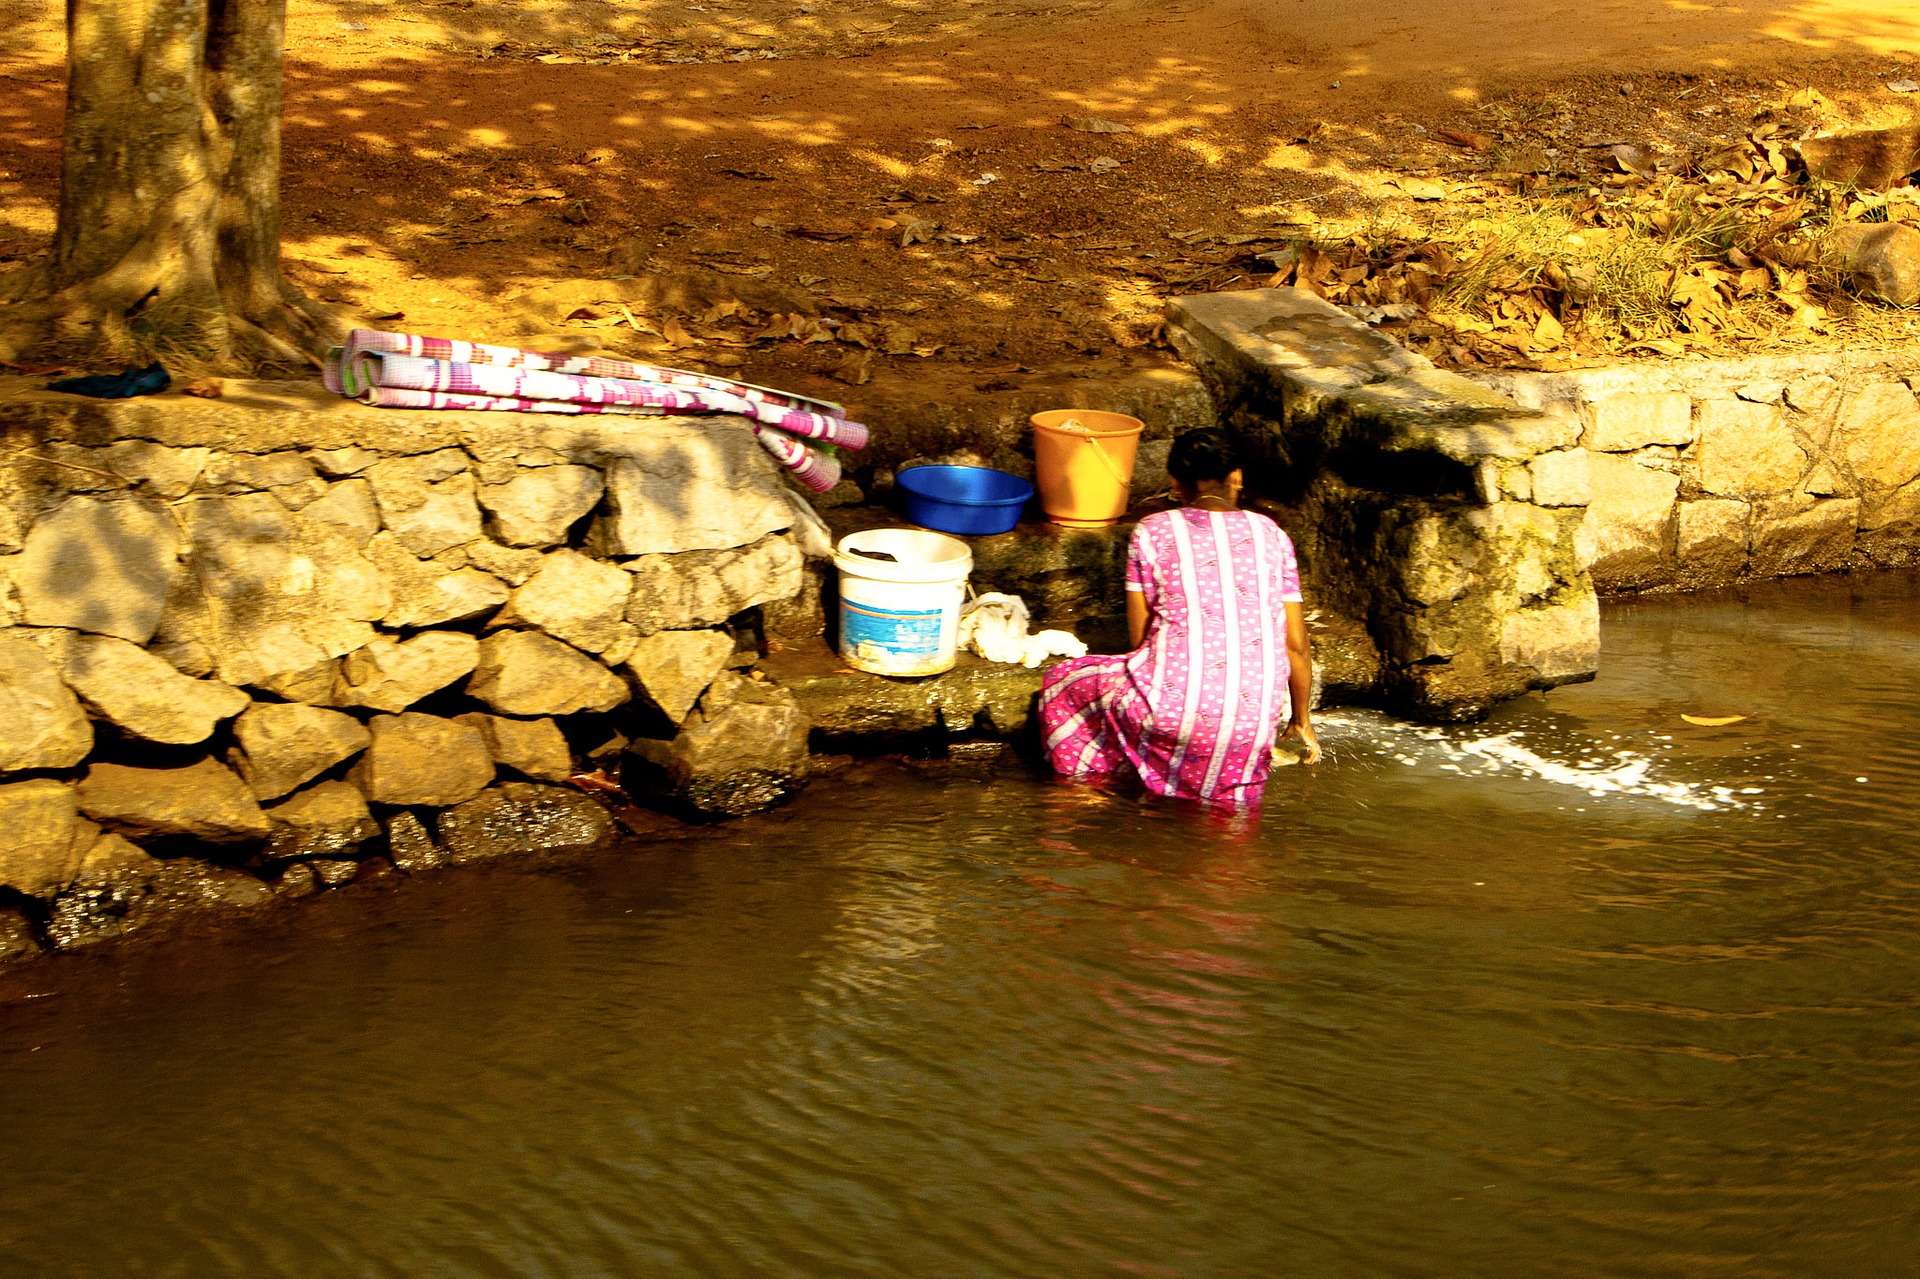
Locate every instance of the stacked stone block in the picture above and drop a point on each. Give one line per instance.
(1709, 473)
(299, 643)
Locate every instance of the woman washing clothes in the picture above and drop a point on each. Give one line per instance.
(1220, 652)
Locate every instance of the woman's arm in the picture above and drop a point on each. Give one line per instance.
(1140, 580)
(1136, 619)
(1300, 681)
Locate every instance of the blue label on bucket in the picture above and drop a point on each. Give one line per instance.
(895, 630)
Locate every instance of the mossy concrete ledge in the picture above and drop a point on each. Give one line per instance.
(1440, 513)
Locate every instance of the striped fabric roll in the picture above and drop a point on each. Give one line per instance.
(817, 471)
(403, 397)
(411, 371)
(369, 370)
(455, 351)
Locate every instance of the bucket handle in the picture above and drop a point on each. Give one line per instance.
(1106, 459)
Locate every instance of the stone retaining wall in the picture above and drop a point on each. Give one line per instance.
(318, 636)
(1707, 473)
(1443, 514)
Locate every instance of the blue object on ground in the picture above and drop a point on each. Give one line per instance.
(970, 500)
(123, 385)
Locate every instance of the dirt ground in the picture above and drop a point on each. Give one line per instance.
(832, 193)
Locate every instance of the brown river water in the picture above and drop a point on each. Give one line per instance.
(1585, 990)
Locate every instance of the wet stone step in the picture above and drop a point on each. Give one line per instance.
(852, 710)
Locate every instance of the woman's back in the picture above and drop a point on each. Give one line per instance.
(1208, 570)
(1213, 670)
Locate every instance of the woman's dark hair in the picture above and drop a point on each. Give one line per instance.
(1201, 457)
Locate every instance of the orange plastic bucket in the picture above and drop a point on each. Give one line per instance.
(1083, 463)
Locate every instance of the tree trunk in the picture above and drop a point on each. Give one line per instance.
(168, 238)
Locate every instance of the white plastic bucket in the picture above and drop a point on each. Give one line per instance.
(901, 616)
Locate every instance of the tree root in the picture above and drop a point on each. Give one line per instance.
(25, 282)
(111, 320)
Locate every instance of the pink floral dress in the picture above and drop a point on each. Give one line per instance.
(1193, 711)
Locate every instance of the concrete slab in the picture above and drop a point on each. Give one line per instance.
(1248, 335)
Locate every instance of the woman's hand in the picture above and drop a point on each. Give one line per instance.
(1302, 732)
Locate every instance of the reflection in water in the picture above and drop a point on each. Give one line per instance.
(1585, 990)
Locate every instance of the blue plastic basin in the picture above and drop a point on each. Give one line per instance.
(970, 500)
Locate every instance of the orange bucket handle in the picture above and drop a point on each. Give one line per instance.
(1106, 460)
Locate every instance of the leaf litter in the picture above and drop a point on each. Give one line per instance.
(1528, 237)
(1644, 250)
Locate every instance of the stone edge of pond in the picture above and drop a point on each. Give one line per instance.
(263, 645)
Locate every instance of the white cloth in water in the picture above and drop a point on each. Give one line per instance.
(994, 625)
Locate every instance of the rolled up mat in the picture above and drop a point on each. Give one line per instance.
(816, 470)
(404, 397)
(842, 431)
(456, 351)
(365, 370)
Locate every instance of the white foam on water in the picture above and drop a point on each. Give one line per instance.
(1629, 775)
(1594, 768)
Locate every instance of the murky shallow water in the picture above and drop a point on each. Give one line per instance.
(1587, 990)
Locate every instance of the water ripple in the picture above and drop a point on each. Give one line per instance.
(1584, 989)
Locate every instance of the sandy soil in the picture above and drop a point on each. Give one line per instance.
(825, 191)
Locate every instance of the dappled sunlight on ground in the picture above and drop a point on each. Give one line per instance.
(1888, 28)
(1006, 185)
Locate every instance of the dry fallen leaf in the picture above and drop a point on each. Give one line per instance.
(828, 233)
(1632, 159)
(1807, 100)
(1419, 188)
(1713, 721)
(916, 230)
(896, 339)
(1095, 124)
(1465, 138)
(856, 369)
